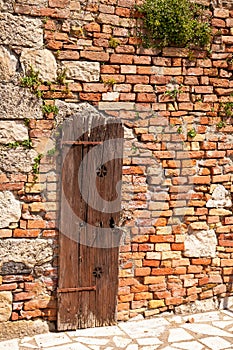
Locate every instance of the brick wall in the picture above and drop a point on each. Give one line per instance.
(177, 175)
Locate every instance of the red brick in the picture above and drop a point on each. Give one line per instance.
(30, 314)
(4, 233)
(36, 224)
(226, 262)
(9, 286)
(11, 186)
(145, 97)
(151, 263)
(177, 246)
(142, 271)
(146, 247)
(161, 238)
(23, 296)
(195, 269)
(173, 301)
(90, 96)
(122, 59)
(142, 59)
(95, 56)
(137, 79)
(26, 233)
(162, 295)
(143, 296)
(128, 281)
(201, 180)
(68, 55)
(180, 270)
(92, 27)
(227, 220)
(201, 261)
(123, 12)
(207, 294)
(59, 3)
(162, 271)
(125, 298)
(220, 289)
(138, 304)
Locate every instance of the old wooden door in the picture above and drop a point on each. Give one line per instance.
(90, 208)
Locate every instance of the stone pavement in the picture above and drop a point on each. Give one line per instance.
(210, 330)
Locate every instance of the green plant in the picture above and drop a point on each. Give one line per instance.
(218, 32)
(221, 124)
(35, 167)
(45, 19)
(31, 80)
(137, 115)
(51, 152)
(192, 133)
(61, 76)
(110, 81)
(228, 109)
(174, 92)
(229, 60)
(174, 22)
(134, 149)
(191, 56)
(39, 93)
(25, 143)
(77, 31)
(26, 121)
(179, 130)
(67, 90)
(46, 109)
(113, 42)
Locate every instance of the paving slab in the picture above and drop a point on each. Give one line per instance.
(216, 343)
(206, 331)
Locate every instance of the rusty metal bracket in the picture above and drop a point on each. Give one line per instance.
(80, 289)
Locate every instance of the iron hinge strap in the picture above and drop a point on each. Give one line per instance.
(81, 142)
(80, 289)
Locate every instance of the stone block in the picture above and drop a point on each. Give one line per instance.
(10, 209)
(12, 268)
(11, 131)
(19, 103)
(198, 306)
(17, 161)
(200, 244)
(20, 30)
(82, 70)
(6, 5)
(220, 198)
(5, 306)
(25, 251)
(42, 61)
(10, 330)
(8, 64)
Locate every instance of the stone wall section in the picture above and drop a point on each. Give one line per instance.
(177, 221)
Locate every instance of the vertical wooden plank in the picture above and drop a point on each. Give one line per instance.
(68, 254)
